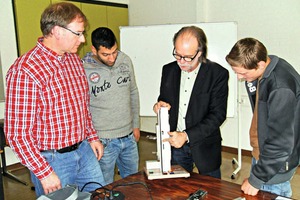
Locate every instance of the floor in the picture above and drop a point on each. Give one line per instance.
(14, 190)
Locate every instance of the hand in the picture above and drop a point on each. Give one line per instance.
(136, 134)
(160, 104)
(176, 139)
(51, 183)
(247, 188)
(98, 149)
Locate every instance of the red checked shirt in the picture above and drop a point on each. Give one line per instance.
(47, 104)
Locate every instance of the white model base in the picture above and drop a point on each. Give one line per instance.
(176, 172)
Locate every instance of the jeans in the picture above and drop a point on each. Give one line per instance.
(77, 167)
(183, 157)
(120, 151)
(282, 189)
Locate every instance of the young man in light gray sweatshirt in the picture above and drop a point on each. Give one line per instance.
(114, 104)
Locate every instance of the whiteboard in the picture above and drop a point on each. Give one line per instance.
(150, 47)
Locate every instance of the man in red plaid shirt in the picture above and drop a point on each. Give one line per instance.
(47, 121)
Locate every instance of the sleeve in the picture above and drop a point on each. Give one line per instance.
(279, 136)
(20, 117)
(163, 93)
(90, 130)
(134, 97)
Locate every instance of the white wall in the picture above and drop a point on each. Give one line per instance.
(275, 23)
(8, 53)
(8, 49)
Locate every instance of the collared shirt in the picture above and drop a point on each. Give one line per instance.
(186, 86)
(46, 106)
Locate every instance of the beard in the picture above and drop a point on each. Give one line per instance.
(185, 67)
(107, 63)
(189, 66)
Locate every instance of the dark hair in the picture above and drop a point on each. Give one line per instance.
(247, 52)
(103, 36)
(199, 34)
(60, 14)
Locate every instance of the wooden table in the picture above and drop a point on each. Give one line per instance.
(181, 188)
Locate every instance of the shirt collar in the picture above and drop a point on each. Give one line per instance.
(49, 52)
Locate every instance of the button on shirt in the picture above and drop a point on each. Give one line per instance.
(186, 86)
(46, 106)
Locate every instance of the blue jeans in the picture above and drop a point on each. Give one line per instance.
(183, 157)
(77, 167)
(120, 151)
(282, 189)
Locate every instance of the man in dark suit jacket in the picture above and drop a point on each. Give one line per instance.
(195, 90)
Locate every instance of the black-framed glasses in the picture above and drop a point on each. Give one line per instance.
(79, 34)
(187, 59)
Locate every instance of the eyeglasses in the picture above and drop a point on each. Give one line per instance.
(187, 59)
(79, 34)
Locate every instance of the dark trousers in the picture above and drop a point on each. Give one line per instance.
(183, 157)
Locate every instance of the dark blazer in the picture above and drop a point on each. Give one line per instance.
(206, 111)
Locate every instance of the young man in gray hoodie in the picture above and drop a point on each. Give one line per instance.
(114, 104)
